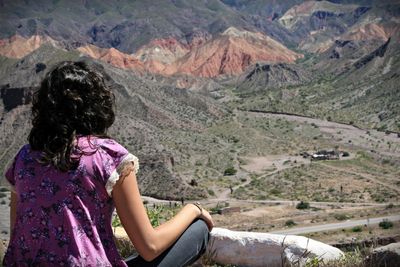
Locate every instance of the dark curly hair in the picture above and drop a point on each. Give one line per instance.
(72, 100)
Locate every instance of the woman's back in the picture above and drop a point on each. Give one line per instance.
(64, 218)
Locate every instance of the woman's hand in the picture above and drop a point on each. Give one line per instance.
(204, 215)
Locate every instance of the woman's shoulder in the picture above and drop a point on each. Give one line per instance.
(101, 145)
(112, 148)
(24, 151)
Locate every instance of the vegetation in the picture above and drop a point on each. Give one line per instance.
(290, 223)
(386, 224)
(230, 171)
(157, 215)
(302, 205)
(354, 258)
(345, 154)
(356, 229)
(341, 216)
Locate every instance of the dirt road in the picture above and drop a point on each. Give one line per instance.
(335, 226)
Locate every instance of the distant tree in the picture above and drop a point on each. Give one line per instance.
(230, 171)
(302, 205)
(193, 182)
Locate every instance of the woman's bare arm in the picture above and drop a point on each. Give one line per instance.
(150, 242)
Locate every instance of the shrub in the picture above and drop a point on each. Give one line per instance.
(155, 215)
(193, 182)
(356, 229)
(275, 191)
(215, 210)
(341, 216)
(230, 171)
(211, 192)
(385, 224)
(290, 223)
(390, 206)
(235, 139)
(116, 222)
(303, 205)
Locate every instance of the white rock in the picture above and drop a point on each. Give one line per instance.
(263, 249)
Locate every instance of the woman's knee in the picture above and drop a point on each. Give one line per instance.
(200, 230)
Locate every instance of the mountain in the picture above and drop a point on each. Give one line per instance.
(353, 81)
(318, 22)
(124, 25)
(228, 53)
(232, 52)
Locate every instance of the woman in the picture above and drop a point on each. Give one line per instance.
(68, 179)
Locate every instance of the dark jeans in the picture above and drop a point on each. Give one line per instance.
(186, 250)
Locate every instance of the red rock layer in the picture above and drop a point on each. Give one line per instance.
(18, 46)
(229, 53)
(113, 57)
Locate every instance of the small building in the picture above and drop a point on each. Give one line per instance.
(325, 155)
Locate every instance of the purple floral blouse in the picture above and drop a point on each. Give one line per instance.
(64, 218)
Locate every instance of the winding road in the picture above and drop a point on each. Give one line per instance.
(335, 226)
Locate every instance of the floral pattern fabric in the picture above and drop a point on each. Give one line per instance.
(64, 218)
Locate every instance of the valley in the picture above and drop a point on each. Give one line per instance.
(230, 103)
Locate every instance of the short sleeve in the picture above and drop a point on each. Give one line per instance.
(114, 160)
